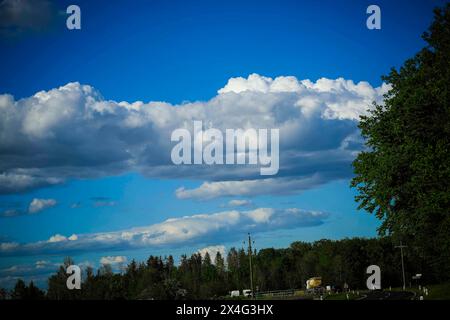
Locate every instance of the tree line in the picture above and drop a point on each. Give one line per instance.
(338, 262)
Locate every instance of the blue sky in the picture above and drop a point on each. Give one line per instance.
(180, 52)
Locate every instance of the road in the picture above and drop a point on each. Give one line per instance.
(388, 295)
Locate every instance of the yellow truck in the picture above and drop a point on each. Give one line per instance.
(314, 282)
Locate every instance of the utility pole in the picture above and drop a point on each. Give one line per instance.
(401, 246)
(250, 252)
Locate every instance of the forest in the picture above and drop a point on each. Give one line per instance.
(198, 277)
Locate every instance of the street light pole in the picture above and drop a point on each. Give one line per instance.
(401, 246)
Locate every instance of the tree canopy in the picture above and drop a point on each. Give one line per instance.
(404, 175)
(338, 262)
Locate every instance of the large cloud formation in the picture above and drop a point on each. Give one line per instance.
(195, 229)
(73, 132)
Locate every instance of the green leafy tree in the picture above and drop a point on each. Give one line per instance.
(404, 176)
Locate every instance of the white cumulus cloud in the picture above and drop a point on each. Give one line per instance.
(113, 260)
(175, 232)
(37, 205)
(211, 190)
(73, 132)
(239, 203)
(59, 238)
